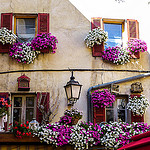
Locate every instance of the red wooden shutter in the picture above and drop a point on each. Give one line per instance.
(133, 29)
(6, 20)
(97, 50)
(136, 118)
(98, 115)
(46, 105)
(43, 23)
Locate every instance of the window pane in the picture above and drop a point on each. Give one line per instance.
(25, 29)
(17, 114)
(29, 114)
(17, 101)
(114, 34)
(121, 109)
(30, 102)
(109, 115)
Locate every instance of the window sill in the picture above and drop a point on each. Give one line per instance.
(8, 137)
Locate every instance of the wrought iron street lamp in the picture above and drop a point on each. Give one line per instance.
(73, 90)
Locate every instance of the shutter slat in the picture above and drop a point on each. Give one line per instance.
(97, 50)
(43, 23)
(6, 20)
(133, 29)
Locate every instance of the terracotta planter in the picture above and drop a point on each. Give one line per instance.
(74, 121)
(136, 55)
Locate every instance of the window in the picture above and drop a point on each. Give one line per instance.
(118, 111)
(23, 107)
(25, 27)
(114, 34)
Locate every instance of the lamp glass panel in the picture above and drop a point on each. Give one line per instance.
(75, 91)
(68, 91)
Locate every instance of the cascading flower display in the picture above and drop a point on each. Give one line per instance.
(138, 104)
(54, 134)
(136, 45)
(96, 36)
(103, 98)
(7, 36)
(85, 135)
(23, 52)
(116, 55)
(44, 41)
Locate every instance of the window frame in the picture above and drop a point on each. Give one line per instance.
(24, 106)
(115, 110)
(24, 17)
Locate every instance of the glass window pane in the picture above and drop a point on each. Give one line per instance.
(30, 102)
(109, 115)
(114, 34)
(25, 29)
(17, 114)
(29, 114)
(17, 101)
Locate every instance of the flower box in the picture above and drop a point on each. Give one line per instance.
(9, 137)
(4, 48)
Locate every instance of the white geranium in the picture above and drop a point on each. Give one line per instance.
(96, 36)
(138, 105)
(7, 36)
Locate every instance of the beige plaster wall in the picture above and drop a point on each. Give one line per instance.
(70, 27)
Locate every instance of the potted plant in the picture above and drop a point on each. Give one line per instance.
(20, 129)
(116, 55)
(44, 43)
(135, 46)
(138, 104)
(103, 98)
(74, 114)
(96, 39)
(4, 105)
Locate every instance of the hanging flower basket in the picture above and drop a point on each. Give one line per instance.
(135, 46)
(103, 98)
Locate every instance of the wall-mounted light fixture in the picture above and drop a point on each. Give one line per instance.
(73, 90)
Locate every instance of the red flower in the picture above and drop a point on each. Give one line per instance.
(23, 133)
(27, 134)
(21, 125)
(27, 122)
(24, 125)
(27, 127)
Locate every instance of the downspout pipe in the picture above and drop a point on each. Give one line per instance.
(90, 105)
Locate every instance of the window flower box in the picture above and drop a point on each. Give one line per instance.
(10, 137)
